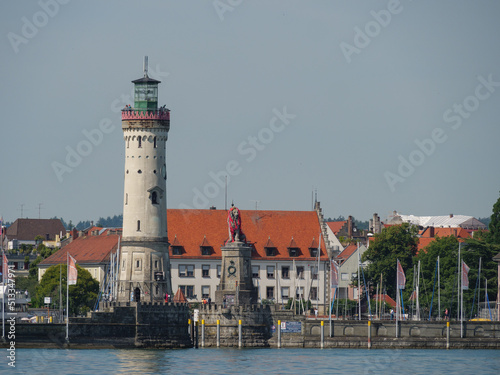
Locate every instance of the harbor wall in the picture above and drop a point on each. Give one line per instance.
(167, 326)
(143, 325)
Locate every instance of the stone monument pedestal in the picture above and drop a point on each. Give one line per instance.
(236, 287)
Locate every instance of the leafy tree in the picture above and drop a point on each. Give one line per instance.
(394, 242)
(447, 250)
(81, 296)
(26, 283)
(494, 234)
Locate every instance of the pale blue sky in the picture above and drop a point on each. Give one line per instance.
(225, 74)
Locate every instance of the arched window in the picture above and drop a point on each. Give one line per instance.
(154, 197)
(154, 142)
(140, 141)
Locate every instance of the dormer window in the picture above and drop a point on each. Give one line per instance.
(270, 249)
(176, 250)
(176, 247)
(205, 247)
(313, 248)
(205, 250)
(293, 249)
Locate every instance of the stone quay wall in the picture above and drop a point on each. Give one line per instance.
(151, 325)
(259, 328)
(159, 325)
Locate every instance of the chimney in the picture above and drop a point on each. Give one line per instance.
(431, 232)
(451, 215)
(349, 226)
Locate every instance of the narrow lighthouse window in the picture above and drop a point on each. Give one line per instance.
(140, 141)
(138, 225)
(154, 197)
(154, 142)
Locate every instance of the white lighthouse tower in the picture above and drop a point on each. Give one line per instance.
(144, 273)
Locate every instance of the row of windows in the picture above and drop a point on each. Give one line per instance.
(138, 265)
(187, 270)
(285, 293)
(139, 142)
(189, 292)
(286, 272)
(292, 251)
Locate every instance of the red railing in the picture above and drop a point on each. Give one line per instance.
(145, 114)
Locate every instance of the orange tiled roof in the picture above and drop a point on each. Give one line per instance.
(346, 253)
(336, 226)
(386, 299)
(189, 226)
(425, 238)
(86, 249)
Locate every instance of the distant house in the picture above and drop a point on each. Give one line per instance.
(348, 270)
(446, 221)
(346, 230)
(24, 231)
(91, 249)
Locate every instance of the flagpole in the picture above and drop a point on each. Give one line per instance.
(359, 285)
(458, 283)
(3, 279)
(461, 294)
(317, 273)
(67, 296)
(397, 300)
(439, 293)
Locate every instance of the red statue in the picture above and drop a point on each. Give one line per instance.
(234, 223)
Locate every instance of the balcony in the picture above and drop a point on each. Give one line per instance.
(145, 114)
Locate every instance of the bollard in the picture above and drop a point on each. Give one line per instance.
(369, 334)
(279, 333)
(196, 332)
(447, 335)
(322, 334)
(203, 333)
(240, 344)
(218, 333)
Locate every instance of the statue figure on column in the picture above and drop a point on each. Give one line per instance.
(234, 224)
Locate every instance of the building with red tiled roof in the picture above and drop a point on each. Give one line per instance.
(279, 240)
(90, 249)
(24, 231)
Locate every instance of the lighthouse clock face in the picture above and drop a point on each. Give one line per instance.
(163, 171)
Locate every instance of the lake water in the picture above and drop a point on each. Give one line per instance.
(253, 361)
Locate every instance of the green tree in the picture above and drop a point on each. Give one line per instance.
(82, 296)
(394, 242)
(447, 250)
(494, 234)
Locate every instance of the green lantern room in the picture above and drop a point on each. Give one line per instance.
(146, 91)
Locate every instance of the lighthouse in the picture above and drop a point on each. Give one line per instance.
(144, 265)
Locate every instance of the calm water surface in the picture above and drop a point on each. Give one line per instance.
(253, 361)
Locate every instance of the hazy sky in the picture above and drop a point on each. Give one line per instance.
(379, 105)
